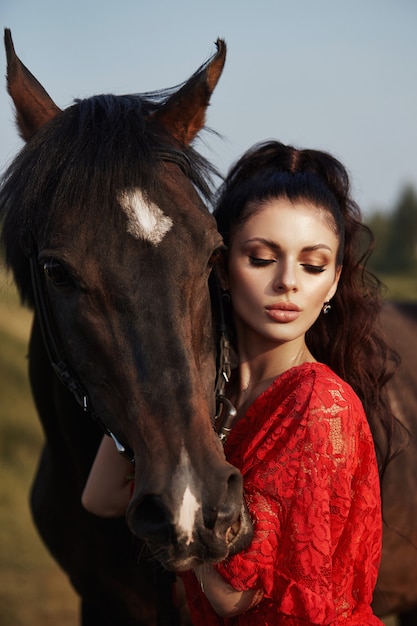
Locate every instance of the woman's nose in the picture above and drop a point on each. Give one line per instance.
(285, 277)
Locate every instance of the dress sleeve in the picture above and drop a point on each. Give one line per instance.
(299, 493)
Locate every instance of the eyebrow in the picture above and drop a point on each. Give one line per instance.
(275, 246)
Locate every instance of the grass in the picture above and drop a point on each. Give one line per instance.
(33, 589)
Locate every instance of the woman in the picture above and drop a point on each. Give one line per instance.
(303, 313)
(303, 321)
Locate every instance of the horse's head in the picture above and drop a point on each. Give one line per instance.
(107, 196)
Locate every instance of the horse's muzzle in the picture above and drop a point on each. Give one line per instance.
(186, 531)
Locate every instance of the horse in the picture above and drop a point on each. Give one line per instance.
(108, 233)
(110, 241)
(396, 590)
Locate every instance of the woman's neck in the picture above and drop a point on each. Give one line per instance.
(258, 368)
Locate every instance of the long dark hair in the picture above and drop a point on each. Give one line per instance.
(349, 339)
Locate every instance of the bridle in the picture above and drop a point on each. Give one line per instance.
(224, 408)
(55, 353)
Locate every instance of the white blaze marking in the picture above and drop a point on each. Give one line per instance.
(145, 220)
(189, 505)
(189, 508)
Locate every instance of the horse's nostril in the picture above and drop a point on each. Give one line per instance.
(150, 520)
(235, 487)
(229, 499)
(235, 481)
(210, 516)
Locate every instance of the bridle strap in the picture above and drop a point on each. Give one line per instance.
(50, 338)
(225, 410)
(55, 352)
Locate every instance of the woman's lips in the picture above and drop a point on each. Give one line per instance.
(284, 312)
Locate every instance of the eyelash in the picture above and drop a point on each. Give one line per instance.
(313, 269)
(257, 262)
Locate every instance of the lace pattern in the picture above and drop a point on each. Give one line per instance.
(312, 487)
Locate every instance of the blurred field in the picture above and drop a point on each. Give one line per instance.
(403, 288)
(33, 590)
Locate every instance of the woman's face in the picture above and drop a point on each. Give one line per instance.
(281, 269)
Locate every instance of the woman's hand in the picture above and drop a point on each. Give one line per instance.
(225, 600)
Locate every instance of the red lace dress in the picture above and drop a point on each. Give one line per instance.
(311, 485)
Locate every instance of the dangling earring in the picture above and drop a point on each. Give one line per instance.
(226, 295)
(326, 307)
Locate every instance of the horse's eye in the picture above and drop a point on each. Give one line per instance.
(56, 272)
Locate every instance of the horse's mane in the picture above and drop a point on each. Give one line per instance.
(78, 159)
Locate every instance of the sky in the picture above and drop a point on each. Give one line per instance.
(335, 75)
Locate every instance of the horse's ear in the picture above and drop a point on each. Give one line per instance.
(184, 113)
(33, 105)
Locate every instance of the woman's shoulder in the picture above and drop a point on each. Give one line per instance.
(316, 374)
(326, 406)
(307, 402)
(316, 383)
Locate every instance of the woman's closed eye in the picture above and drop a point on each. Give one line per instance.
(260, 262)
(313, 269)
